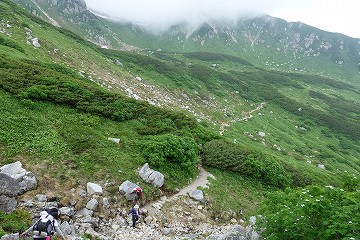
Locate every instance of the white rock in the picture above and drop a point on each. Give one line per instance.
(93, 188)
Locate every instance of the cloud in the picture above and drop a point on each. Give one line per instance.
(158, 15)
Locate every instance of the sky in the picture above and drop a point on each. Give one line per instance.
(329, 15)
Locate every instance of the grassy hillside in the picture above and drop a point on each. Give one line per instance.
(62, 100)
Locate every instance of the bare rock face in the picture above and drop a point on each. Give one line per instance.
(8, 186)
(151, 176)
(25, 179)
(71, 6)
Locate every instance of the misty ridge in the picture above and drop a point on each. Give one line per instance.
(158, 19)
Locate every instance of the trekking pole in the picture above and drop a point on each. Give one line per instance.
(21, 231)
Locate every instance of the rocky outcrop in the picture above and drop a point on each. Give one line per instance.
(25, 179)
(70, 6)
(151, 176)
(9, 189)
(14, 180)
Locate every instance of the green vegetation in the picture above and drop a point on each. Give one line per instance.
(312, 213)
(228, 156)
(14, 222)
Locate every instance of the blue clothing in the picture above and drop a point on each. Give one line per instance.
(135, 212)
(135, 215)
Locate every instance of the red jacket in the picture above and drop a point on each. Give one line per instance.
(138, 191)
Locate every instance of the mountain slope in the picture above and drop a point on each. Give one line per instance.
(266, 41)
(305, 118)
(62, 97)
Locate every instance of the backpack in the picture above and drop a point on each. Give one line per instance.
(53, 212)
(43, 227)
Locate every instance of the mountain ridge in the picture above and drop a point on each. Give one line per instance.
(269, 42)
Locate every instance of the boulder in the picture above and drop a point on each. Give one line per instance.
(92, 205)
(8, 186)
(321, 166)
(198, 195)
(67, 229)
(93, 188)
(14, 170)
(25, 179)
(68, 211)
(126, 188)
(7, 204)
(28, 182)
(150, 176)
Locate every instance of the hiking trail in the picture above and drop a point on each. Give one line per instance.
(200, 181)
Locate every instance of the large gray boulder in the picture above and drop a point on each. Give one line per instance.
(8, 186)
(126, 188)
(151, 176)
(7, 204)
(25, 179)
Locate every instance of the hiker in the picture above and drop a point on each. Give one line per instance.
(138, 195)
(44, 228)
(135, 213)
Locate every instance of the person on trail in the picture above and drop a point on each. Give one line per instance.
(138, 195)
(135, 213)
(45, 227)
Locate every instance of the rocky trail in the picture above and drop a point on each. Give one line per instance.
(200, 181)
(88, 212)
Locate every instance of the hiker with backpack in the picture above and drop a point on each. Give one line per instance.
(135, 213)
(138, 195)
(45, 227)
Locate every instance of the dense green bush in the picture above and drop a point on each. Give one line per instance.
(311, 213)
(229, 156)
(161, 149)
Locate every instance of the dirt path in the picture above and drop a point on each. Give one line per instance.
(200, 181)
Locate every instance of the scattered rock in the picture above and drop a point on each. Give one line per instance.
(321, 166)
(261, 134)
(116, 140)
(197, 195)
(92, 205)
(93, 188)
(10, 237)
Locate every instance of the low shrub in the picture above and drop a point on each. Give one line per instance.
(229, 156)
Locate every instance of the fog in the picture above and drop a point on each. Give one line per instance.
(158, 15)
